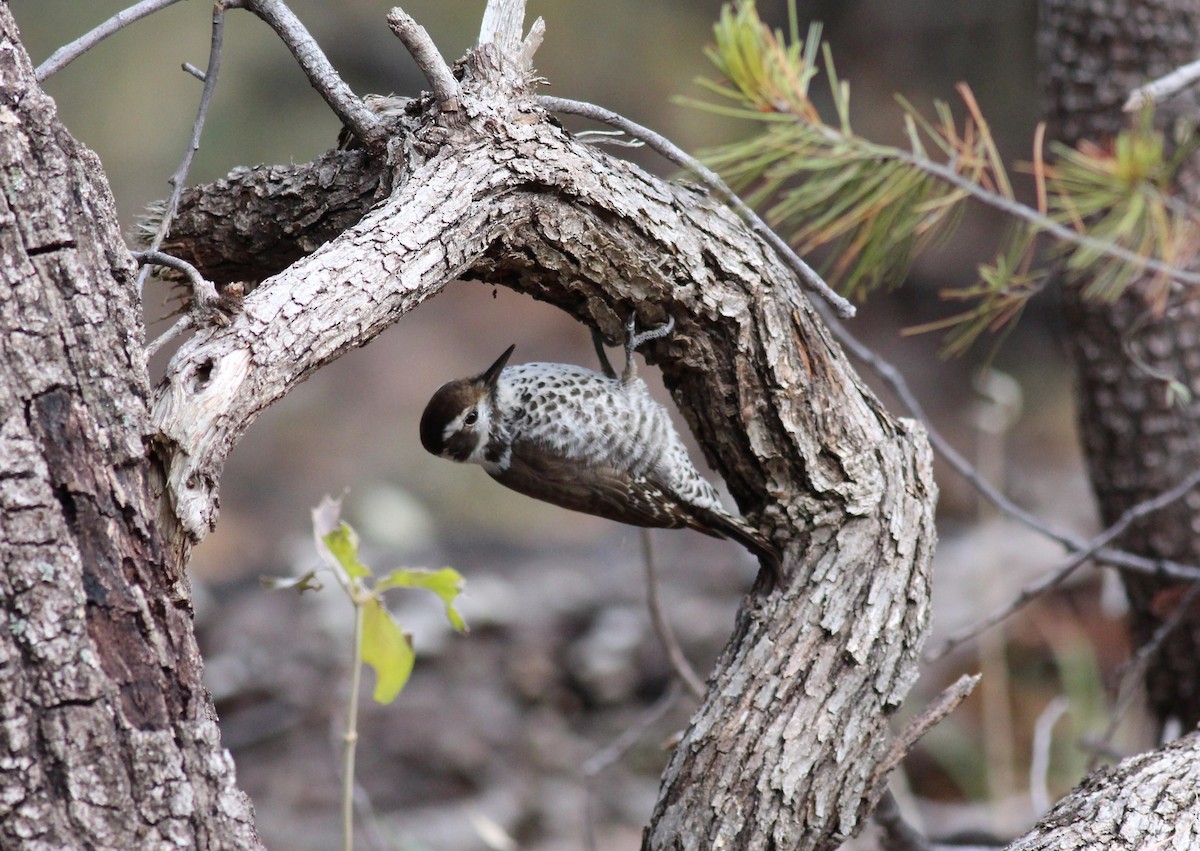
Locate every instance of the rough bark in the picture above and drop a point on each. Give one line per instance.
(257, 221)
(1148, 801)
(107, 736)
(786, 749)
(1139, 440)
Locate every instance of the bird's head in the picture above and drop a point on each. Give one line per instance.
(458, 420)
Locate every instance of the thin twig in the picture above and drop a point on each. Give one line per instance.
(1044, 224)
(1073, 543)
(181, 325)
(1164, 87)
(662, 626)
(208, 307)
(320, 71)
(204, 291)
(941, 706)
(949, 174)
(668, 149)
(616, 749)
(1135, 670)
(445, 88)
(1059, 574)
(68, 53)
(179, 178)
(1039, 763)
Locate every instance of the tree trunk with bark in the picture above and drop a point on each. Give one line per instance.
(108, 738)
(1139, 438)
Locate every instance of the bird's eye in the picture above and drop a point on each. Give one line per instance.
(471, 418)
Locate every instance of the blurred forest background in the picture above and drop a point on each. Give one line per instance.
(485, 748)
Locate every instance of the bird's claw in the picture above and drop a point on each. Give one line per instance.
(634, 340)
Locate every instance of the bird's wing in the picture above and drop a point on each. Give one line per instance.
(604, 491)
(598, 489)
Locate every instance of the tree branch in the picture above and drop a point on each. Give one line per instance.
(321, 73)
(68, 53)
(179, 178)
(673, 153)
(1164, 87)
(202, 290)
(255, 222)
(445, 88)
(1147, 801)
(940, 707)
(502, 24)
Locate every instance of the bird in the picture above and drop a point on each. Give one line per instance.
(588, 441)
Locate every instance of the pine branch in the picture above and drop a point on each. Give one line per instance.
(1108, 211)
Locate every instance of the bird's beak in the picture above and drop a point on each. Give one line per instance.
(492, 375)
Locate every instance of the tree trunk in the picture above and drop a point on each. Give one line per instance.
(1139, 439)
(107, 736)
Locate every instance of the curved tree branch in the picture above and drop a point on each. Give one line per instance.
(786, 746)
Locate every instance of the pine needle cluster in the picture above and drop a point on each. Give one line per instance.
(1106, 212)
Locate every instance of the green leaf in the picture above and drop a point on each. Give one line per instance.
(343, 546)
(386, 649)
(447, 583)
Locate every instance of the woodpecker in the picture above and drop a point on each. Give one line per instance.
(588, 441)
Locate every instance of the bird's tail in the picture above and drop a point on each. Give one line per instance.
(770, 574)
